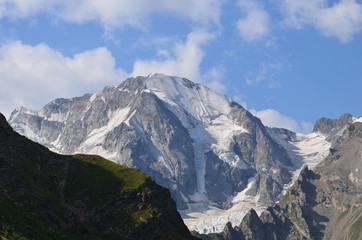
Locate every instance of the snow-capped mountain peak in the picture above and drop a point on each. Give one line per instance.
(211, 153)
(197, 99)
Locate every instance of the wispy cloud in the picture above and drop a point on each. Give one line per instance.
(341, 20)
(265, 76)
(255, 23)
(213, 78)
(183, 59)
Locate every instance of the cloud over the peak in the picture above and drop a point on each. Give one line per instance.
(265, 75)
(255, 23)
(341, 20)
(32, 75)
(183, 59)
(113, 12)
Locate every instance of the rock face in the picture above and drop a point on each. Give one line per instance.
(324, 203)
(333, 128)
(201, 145)
(44, 195)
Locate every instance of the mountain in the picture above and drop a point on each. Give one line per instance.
(217, 159)
(44, 195)
(324, 203)
(201, 145)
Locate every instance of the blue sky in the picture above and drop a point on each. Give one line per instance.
(290, 62)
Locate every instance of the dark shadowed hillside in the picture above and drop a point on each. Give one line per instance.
(44, 195)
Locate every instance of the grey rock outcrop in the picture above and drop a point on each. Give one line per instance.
(333, 128)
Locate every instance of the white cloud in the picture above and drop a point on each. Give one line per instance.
(255, 25)
(182, 60)
(265, 75)
(213, 79)
(33, 75)
(113, 12)
(273, 118)
(341, 20)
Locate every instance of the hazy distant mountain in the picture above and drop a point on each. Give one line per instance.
(44, 195)
(214, 156)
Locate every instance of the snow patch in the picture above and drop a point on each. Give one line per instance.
(313, 148)
(357, 119)
(240, 197)
(93, 97)
(56, 117)
(306, 150)
(94, 140)
(123, 89)
(28, 111)
(198, 100)
(17, 123)
(26, 131)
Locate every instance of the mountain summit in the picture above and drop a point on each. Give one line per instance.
(207, 149)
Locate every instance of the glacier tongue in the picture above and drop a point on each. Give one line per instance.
(213, 219)
(206, 218)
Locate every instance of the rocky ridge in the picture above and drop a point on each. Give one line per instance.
(324, 203)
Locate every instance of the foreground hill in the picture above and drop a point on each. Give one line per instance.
(44, 195)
